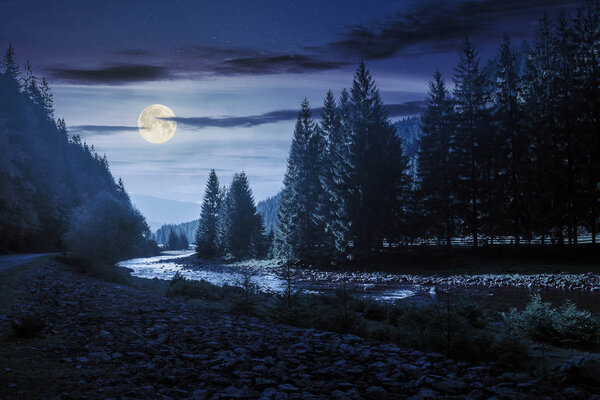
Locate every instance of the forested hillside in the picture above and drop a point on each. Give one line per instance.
(44, 173)
(187, 229)
(267, 209)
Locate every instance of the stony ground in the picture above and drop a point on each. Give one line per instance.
(107, 341)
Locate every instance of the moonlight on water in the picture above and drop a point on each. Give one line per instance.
(153, 125)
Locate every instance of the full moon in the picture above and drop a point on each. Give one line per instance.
(153, 127)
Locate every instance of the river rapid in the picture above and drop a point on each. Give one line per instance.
(499, 292)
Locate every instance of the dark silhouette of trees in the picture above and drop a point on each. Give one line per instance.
(435, 172)
(177, 241)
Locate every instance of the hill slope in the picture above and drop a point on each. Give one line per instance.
(44, 174)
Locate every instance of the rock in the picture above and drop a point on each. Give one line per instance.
(579, 370)
(375, 392)
(450, 386)
(503, 393)
(425, 394)
(572, 393)
(288, 388)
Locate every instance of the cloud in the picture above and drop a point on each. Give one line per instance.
(274, 64)
(394, 110)
(110, 75)
(192, 62)
(430, 26)
(100, 129)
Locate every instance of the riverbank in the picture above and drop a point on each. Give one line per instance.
(575, 277)
(103, 340)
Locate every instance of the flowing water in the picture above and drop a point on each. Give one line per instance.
(265, 275)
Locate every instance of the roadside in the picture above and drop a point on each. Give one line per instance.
(8, 261)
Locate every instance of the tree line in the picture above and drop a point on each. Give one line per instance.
(511, 150)
(229, 224)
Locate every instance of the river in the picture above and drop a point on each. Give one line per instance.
(264, 273)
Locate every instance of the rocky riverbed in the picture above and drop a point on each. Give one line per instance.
(107, 341)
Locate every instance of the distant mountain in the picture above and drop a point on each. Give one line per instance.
(267, 209)
(159, 211)
(409, 129)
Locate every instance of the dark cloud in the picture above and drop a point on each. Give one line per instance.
(100, 129)
(110, 75)
(197, 61)
(275, 64)
(394, 110)
(430, 26)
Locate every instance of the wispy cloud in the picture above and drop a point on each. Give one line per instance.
(394, 110)
(192, 62)
(100, 129)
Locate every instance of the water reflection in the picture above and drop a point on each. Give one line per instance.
(320, 282)
(163, 267)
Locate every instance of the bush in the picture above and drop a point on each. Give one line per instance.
(566, 326)
(105, 231)
(375, 311)
(245, 297)
(181, 287)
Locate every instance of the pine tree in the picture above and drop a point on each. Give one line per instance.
(47, 98)
(510, 146)
(9, 63)
(183, 242)
(206, 236)
(242, 218)
(537, 92)
(31, 86)
(172, 242)
(300, 226)
(470, 106)
(434, 169)
(333, 172)
(378, 183)
(586, 38)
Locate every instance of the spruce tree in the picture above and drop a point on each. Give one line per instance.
(9, 63)
(434, 168)
(378, 183)
(300, 222)
(586, 32)
(206, 235)
(242, 219)
(510, 145)
(470, 110)
(333, 170)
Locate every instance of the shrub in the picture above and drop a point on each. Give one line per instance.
(375, 311)
(182, 287)
(566, 326)
(245, 298)
(105, 231)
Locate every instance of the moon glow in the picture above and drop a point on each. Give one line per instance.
(155, 129)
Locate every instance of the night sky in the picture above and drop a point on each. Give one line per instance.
(234, 72)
